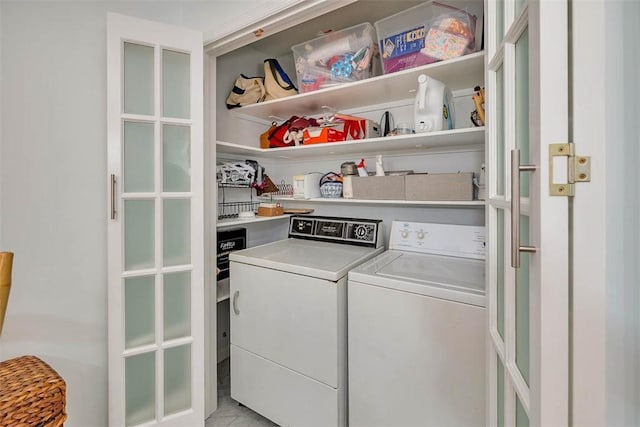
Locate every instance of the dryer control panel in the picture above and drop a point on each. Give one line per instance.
(350, 231)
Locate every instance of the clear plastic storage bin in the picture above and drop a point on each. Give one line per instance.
(428, 32)
(335, 58)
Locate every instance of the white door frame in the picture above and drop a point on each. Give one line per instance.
(589, 259)
(606, 228)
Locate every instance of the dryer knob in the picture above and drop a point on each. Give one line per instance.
(361, 232)
(404, 234)
(420, 234)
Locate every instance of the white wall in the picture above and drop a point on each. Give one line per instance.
(53, 180)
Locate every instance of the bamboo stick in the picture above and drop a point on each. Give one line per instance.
(6, 262)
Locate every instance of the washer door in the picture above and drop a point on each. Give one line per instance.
(414, 359)
(289, 319)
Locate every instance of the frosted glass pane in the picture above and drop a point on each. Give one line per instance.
(519, 4)
(176, 158)
(500, 273)
(177, 379)
(175, 84)
(522, 304)
(522, 420)
(139, 312)
(176, 231)
(500, 166)
(499, 21)
(138, 234)
(140, 388)
(138, 79)
(177, 305)
(500, 384)
(138, 157)
(522, 107)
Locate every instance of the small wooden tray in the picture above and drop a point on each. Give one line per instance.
(275, 211)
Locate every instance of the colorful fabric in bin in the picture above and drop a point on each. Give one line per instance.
(433, 32)
(335, 58)
(444, 45)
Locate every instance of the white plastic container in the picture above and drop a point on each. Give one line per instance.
(433, 109)
(427, 33)
(335, 58)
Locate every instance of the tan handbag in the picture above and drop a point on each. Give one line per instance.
(246, 91)
(276, 82)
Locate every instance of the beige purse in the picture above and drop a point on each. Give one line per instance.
(276, 82)
(246, 91)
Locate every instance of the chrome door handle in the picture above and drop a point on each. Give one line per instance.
(516, 168)
(236, 294)
(113, 196)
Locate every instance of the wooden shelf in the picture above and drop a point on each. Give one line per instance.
(457, 73)
(406, 203)
(239, 221)
(456, 138)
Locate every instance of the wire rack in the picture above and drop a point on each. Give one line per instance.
(233, 209)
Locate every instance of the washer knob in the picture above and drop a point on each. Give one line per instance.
(404, 234)
(420, 234)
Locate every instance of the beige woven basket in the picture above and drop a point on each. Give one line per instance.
(31, 394)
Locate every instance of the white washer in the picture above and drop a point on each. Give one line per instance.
(288, 319)
(416, 330)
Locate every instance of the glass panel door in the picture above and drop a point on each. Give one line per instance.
(526, 92)
(156, 316)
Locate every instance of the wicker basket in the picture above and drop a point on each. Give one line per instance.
(31, 393)
(331, 185)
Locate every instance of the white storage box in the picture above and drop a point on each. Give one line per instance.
(428, 32)
(335, 58)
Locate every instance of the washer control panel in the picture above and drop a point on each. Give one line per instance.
(463, 241)
(353, 231)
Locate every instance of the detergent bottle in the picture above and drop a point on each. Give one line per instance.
(433, 109)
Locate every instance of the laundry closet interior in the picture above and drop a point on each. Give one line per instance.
(232, 135)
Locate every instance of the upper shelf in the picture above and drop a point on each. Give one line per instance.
(456, 138)
(458, 73)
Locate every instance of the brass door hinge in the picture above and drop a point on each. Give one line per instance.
(578, 169)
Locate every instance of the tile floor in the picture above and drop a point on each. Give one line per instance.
(229, 412)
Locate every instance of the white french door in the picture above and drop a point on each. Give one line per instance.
(528, 259)
(155, 226)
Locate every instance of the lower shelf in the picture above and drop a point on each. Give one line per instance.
(222, 290)
(240, 221)
(436, 203)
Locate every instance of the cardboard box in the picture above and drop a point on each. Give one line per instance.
(439, 186)
(378, 187)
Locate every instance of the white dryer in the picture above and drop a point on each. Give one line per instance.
(416, 330)
(288, 319)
